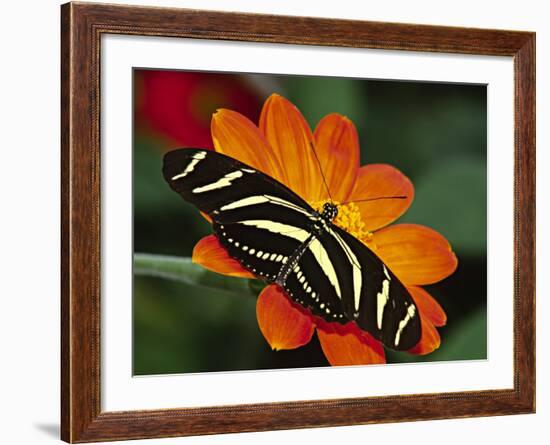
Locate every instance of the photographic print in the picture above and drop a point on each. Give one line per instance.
(294, 222)
(301, 222)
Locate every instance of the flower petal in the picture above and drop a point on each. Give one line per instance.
(209, 253)
(350, 346)
(429, 341)
(290, 137)
(415, 253)
(377, 181)
(337, 146)
(428, 306)
(283, 325)
(236, 136)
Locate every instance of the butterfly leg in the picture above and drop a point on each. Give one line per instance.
(292, 261)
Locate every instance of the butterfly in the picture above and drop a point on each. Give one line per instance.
(277, 236)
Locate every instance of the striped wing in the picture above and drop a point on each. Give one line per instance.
(211, 180)
(267, 228)
(340, 279)
(256, 218)
(375, 298)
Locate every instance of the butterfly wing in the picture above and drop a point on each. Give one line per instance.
(264, 225)
(340, 279)
(379, 303)
(211, 180)
(315, 281)
(256, 218)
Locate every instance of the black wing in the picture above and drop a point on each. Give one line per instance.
(256, 218)
(363, 289)
(267, 228)
(211, 180)
(340, 279)
(386, 308)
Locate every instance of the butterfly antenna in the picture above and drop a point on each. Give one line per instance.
(321, 170)
(375, 199)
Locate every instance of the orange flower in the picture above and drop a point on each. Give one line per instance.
(281, 147)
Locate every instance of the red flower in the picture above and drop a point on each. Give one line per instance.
(281, 147)
(165, 99)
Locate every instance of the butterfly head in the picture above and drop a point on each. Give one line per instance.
(330, 211)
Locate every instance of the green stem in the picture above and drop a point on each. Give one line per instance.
(182, 269)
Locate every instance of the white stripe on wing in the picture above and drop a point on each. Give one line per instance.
(262, 199)
(315, 246)
(225, 181)
(356, 267)
(195, 159)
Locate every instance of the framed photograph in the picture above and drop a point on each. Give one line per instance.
(275, 222)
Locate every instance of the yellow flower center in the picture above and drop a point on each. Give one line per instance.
(349, 219)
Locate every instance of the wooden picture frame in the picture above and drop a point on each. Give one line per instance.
(82, 26)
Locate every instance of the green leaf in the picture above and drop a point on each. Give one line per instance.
(151, 193)
(344, 96)
(180, 327)
(451, 197)
(468, 341)
(182, 269)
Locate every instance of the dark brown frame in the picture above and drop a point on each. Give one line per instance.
(82, 25)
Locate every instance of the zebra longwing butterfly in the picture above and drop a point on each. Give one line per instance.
(281, 239)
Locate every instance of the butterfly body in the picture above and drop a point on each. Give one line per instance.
(282, 240)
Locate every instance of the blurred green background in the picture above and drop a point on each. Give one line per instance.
(435, 133)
